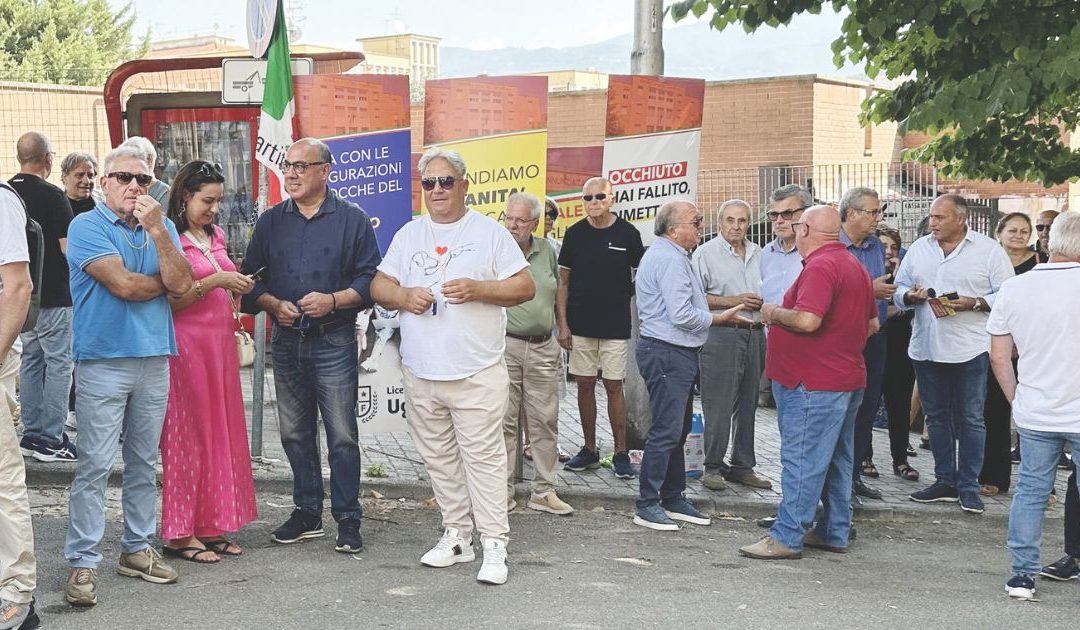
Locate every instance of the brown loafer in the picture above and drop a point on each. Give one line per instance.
(769, 549)
(813, 540)
(713, 481)
(748, 478)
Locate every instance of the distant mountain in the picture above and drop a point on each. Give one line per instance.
(694, 50)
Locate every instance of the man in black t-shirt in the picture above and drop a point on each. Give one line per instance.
(45, 376)
(596, 266)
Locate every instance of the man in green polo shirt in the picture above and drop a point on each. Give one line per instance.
(532, 360)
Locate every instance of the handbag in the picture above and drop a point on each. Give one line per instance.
(245, 345)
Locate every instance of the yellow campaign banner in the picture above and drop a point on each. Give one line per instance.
(499, 166)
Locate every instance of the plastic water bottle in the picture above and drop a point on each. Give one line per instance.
(694, 449)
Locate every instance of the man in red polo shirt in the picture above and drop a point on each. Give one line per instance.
(815, 361)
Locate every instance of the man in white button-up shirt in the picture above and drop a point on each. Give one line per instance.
(950, 353)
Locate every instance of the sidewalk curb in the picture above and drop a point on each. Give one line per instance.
(60, 474)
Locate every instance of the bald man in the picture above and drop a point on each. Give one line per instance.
(815, 360)
(45, 375)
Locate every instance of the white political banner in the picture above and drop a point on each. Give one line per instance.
(647, 171)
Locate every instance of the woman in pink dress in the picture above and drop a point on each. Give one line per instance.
(207, 487)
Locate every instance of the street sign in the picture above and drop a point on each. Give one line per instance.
(243, 80)
(261, 15)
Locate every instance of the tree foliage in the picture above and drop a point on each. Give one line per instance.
(994, 82)
(65, 41)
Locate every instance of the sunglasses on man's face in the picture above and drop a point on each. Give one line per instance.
(554, 216)
(597, 196)
(786, 215)
(445, 182)
(1042, 228)
(125, 178)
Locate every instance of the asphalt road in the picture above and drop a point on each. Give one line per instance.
(590, 570)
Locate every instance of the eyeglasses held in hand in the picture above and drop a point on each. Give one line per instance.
(125, 178)
(597, 196)
(299, 167)
(786, 215)
(445, 182)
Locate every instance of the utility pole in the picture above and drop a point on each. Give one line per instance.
(648, 54)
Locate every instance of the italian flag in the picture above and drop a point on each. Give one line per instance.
(278, 108)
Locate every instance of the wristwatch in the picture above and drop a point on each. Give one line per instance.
(978, 305)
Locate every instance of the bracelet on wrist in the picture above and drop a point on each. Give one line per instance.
(334, 307)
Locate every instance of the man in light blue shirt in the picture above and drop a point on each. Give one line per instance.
(125, 261)
(780, 261)
(675, 321)
(860, 211)
(950, 352)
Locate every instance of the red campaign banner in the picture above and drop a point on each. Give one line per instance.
(499, 126)
(639, 104)
(653, 143)
(477, 107)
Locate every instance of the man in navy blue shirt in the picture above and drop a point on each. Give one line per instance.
(860, 212)
(318, 254)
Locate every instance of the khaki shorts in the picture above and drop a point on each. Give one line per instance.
(589, 355)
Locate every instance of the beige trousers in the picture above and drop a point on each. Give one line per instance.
(18, 569)
(457, 429)
(534, 386)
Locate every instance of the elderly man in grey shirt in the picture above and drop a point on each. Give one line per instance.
(733, 357)
(675, 321)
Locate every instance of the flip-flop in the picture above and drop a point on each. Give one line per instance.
(221, 547)
(182, 553)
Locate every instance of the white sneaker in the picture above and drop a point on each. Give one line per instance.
(450, 550)
(549, 502)
(493, 571)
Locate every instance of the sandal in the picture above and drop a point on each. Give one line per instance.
(191, 554)
(905, 471)
(869, 469)
(911, 452)
(988, 490)
(223, 547)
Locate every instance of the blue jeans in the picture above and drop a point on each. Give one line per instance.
(114, 395)
(45, 377)
(669, 373)
(316, 376)
(816, 442)
(1038, 470)
(874, 356)
(952, 397)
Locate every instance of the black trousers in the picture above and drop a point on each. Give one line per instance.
(997, 463)
(898, 385)
(1072, 517)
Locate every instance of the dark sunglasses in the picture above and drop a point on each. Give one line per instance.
(125, 178)
(1042, 228)
(597, 196)
(445, 182)
(212, 171)
(554, 216)
(787, 215)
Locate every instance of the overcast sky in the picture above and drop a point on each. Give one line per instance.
(479, 24)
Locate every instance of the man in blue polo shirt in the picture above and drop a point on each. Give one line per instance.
(319, 253)
(860, 211)
(125, 259)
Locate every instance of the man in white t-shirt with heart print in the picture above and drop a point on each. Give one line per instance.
(450, 274)
(1033, 313)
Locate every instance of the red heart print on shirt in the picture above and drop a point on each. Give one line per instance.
(440, 250)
